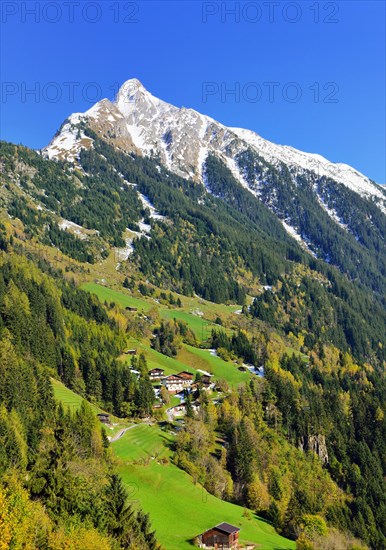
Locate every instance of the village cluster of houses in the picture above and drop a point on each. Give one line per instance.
(177, 383)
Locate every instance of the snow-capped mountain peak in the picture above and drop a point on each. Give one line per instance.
(182, 138)
(133, 100)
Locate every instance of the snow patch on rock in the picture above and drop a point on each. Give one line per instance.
(315, 163)
(78, 230)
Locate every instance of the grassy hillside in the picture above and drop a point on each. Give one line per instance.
(189, 358)
(196, 313)
(158, 360)
(73, 401)
(143, 442)
(121, 298)
(179, 509)
(204, 359)
(195, 322)
(69, 398)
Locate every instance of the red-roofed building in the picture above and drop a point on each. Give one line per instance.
(187, 378)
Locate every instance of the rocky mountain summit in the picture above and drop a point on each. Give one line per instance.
(183, 138)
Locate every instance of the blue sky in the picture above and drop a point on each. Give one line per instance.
(306, 74)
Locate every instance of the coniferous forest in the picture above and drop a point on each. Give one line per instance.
(303, 446)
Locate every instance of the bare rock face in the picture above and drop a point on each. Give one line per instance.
(104, 118)
(181, 137)
(107, 121)
(317, 444)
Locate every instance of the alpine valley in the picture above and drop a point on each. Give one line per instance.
(192, 338)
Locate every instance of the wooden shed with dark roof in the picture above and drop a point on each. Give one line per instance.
(104, 418)
(223, 535)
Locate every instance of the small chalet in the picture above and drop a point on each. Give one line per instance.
(187, 378)
(104, 418)
(130, 308)
(156, 374)
(131, 352)
(223, 535)
(174, 383)
(206, 379)
(181, 409)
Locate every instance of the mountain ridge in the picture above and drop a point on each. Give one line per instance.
(141, 111)
(309, 195)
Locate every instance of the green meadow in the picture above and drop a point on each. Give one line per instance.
(180, 509)
(68, 398)
(204, 360)
(200, 327)
(142, 442)
(109, 295)
(193, 312)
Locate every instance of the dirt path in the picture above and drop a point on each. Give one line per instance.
(121, 433)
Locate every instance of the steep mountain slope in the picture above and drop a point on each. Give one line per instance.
(59, 487)
(122, 211)
(219, 245)
(334, 212)
(182, 138)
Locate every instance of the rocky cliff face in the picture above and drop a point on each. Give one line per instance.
(317, 444)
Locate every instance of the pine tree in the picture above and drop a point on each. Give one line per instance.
(119, 514)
